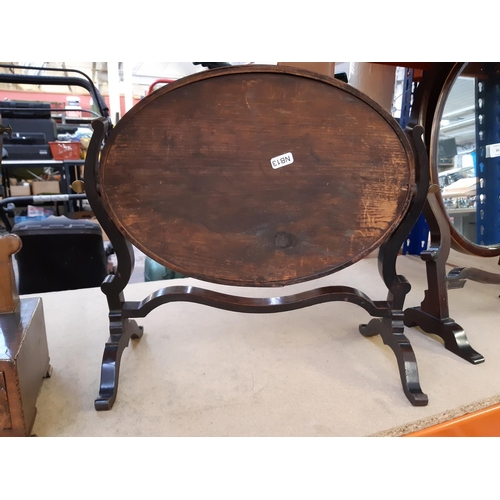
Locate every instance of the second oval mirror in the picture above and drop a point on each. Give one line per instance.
(468, 153)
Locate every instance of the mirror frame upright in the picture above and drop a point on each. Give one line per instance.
(438, 83)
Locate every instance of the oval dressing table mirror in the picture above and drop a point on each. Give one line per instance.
(459, 109)
(465, 156)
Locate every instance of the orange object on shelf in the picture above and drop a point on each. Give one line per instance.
(65, 150)
(481, 423)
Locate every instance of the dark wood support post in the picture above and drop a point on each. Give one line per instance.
(433, 314)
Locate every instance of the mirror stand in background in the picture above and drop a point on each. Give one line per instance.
(465, 156)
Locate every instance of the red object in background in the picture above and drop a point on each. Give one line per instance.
(157, 82)
(57, 100)
(65, 150)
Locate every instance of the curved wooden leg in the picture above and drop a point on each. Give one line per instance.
(453, 335)
(121, 330)
(393, 336)
(433, 315)
(110, 369)
(372, 328)
(391, 331)
(391, 326)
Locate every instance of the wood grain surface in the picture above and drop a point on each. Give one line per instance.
(187, 175)
(10, 244)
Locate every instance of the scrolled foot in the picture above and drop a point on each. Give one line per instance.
(104, 404)
(110, 368)
(417, 398)
(372, 328)
(456, 342)
(453, 335)
(136, 331)
(392, 336)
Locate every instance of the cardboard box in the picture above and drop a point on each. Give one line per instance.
(45, 187)
(20, 190)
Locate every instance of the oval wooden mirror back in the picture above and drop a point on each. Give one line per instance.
(256, 175)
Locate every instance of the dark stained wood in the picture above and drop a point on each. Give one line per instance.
(24, 362)
(433, 315)
(458, 276)
(200, 195)
(10, 244)
(437, 83)
(24, 355)
(186, 175)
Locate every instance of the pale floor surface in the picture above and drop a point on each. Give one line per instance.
(199, 371)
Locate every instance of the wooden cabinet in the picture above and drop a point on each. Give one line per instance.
(24, 362)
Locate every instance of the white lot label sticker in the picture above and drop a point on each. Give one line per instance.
(493, 150)
(282, 160)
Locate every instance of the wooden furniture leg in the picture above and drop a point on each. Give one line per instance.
(433, 314)
(458, 276)
(121, 329)
(391, 327)
(275, 225)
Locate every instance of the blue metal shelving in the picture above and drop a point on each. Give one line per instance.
(418, 238)
(487, 99)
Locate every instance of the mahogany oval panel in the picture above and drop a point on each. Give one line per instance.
(256, 175)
